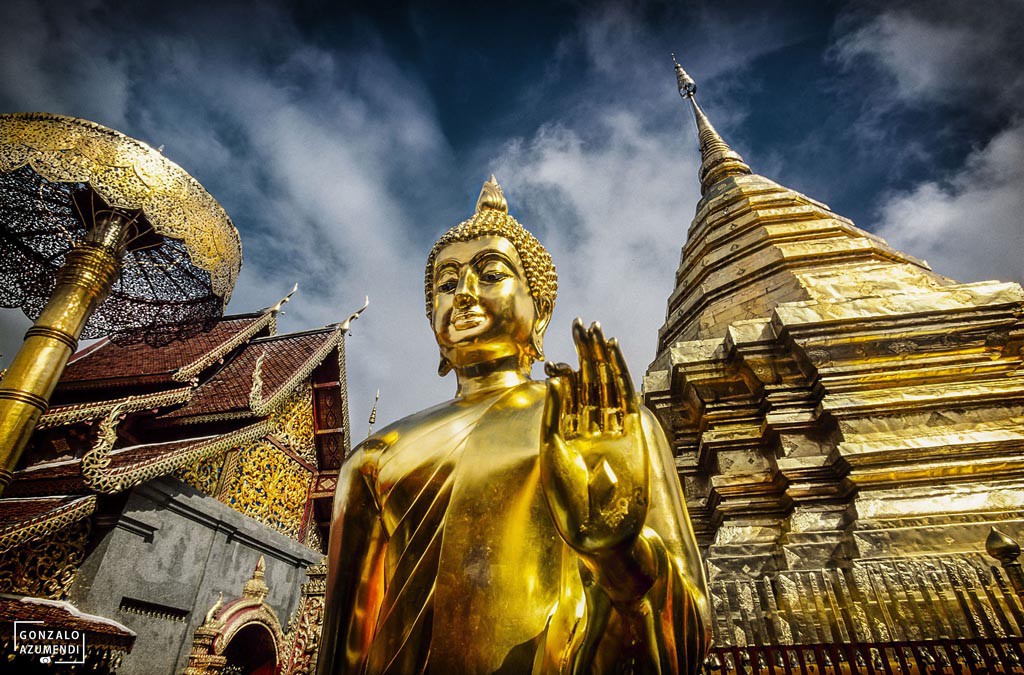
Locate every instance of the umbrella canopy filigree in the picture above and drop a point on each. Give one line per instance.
(58, 174)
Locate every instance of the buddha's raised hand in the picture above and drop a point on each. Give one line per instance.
(593, 458)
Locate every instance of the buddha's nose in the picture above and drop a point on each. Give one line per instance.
(466, 291)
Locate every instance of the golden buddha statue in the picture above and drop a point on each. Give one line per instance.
(522, 526)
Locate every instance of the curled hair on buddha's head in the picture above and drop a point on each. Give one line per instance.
(491, 218)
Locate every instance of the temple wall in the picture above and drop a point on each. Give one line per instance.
(163, 564)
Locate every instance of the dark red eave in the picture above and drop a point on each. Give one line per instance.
(106, 364)
(56, 478)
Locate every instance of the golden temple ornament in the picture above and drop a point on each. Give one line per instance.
(521, 526)
(100, 235)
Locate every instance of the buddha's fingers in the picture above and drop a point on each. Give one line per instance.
(570, 403)
(620, 371)
(587, 378)
(557, 369)
(600, 352)
(610, 419)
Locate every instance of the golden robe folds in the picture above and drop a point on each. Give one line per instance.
(449, 560)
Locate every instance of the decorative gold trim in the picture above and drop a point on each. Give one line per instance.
(54, 334)
(96, 463)
(26, 397)
(302, 636)
(46, 567)
(215, 417)
(276, 309)
(294, 426)
(223, 622)
(191, 370)
(46, 524)
(343, 381)
(256, 390)
(69, 414)
(250, 608)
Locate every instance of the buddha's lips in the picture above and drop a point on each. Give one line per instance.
(466, 320)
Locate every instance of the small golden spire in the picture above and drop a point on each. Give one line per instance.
(491, 197)
(256, 586)
(1001, 547)
(718, 160)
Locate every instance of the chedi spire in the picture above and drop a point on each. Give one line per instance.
(718, 160)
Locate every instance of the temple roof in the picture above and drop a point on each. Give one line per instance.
(281, 361)
(107, 364)
(47, 478)
(230, 379)
(108, 469)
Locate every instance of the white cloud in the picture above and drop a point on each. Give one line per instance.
(966, 57)
(939, 52)
(971, 227)
(55, 65)
(304, 150)
(611, 203)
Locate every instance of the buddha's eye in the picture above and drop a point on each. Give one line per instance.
(493, 276)
(446, 286)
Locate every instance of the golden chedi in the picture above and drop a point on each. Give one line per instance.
(521, 526)
(848, 425)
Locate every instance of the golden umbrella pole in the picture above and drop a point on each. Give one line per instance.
(82, 284)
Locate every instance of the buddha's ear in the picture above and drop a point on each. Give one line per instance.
(543, 308)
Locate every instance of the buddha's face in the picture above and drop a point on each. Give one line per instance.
(483, 310)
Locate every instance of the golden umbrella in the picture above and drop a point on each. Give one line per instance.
(99, 235)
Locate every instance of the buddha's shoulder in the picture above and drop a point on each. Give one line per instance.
(445, 419)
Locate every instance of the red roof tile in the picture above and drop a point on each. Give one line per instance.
(228, 390)
(54, 478)
(145, 364)
(15, 512)
(141, 454)
(23, 520)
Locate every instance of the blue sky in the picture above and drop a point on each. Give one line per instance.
(344, 141)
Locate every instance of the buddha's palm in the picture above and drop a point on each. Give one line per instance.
(593, 460)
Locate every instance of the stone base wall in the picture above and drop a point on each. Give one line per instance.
(171, 553)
